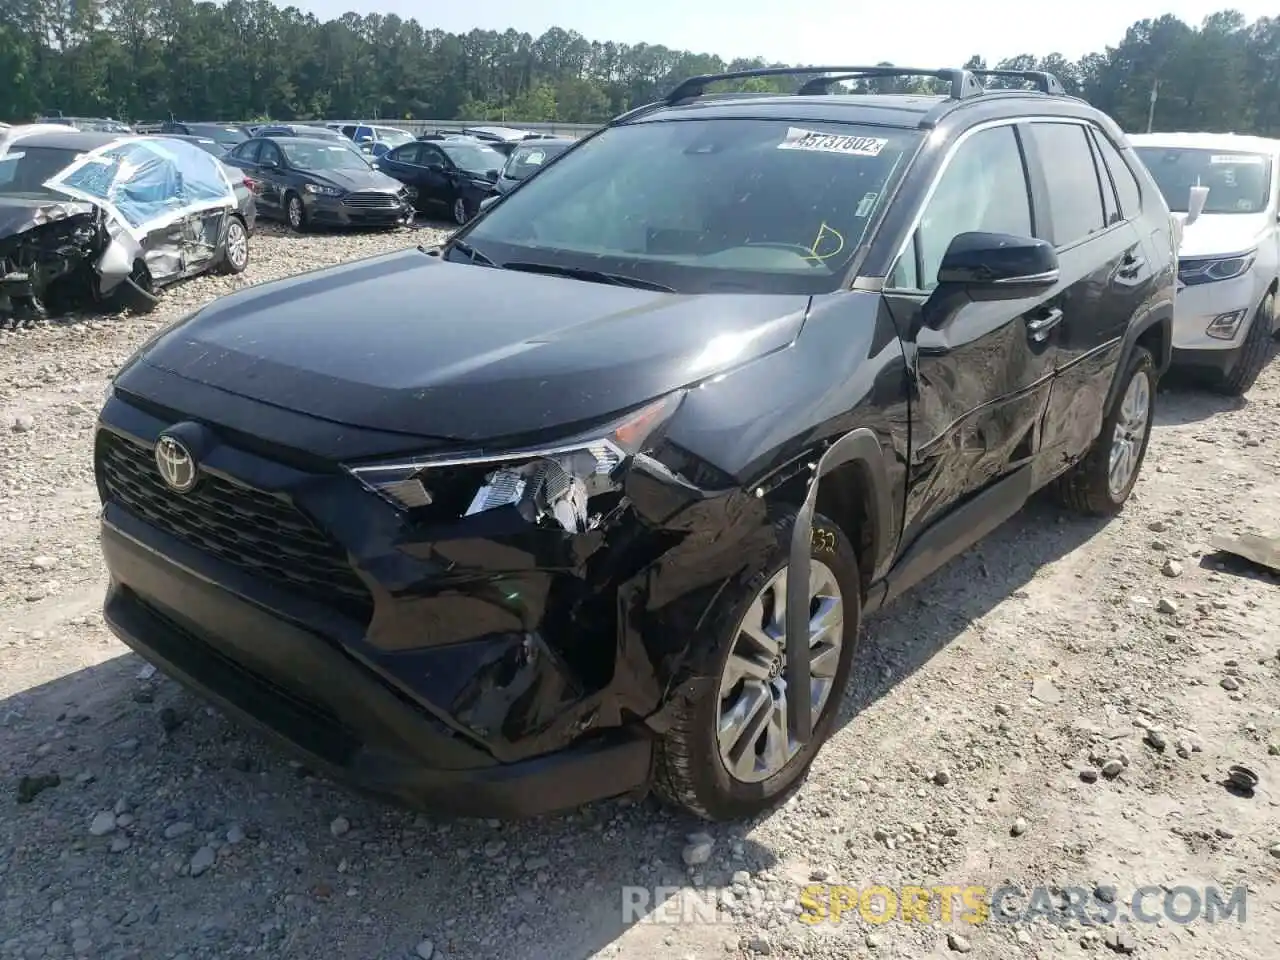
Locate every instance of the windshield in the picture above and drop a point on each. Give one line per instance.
(528, 159)
(473, 157)
(393, 138)
(321, 156)
(705, 206)
(227, 136)
(24, 172)
(208, 146)
(1237, 182)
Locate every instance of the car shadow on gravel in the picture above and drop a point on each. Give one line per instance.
(332, 873)
(901, 638)
(1186, 397)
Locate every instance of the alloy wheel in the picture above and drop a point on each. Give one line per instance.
(460, 211)
(751, 719)
(295, 212)
(1130, 434)
(237, 245)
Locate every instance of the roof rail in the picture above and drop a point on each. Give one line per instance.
(963, 83)
(1045, 82)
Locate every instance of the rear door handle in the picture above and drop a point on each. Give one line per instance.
(1039, 328)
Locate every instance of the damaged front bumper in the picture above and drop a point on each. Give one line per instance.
(486, 666)
(40, 247)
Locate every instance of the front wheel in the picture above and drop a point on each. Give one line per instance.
(1254, 352)
(461, 211)
(236, 254)
(728, 754)
(1100, 484)
(295, 212)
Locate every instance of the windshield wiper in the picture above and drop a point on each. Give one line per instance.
(471, 253)
(591, 276)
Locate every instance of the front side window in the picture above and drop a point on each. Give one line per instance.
(983, 188)
(1238, 182)
(1075, 197)
(732, 205)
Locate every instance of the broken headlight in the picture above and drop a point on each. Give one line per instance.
(552, 484)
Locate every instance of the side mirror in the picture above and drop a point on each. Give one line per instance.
(269, 164)
(1195, 203)
(998, 266)
(436, 167)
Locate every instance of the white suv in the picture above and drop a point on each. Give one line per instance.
(1224, 189)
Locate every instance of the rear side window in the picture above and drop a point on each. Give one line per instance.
(1127, 190)
(1075, 199)
(247, 151)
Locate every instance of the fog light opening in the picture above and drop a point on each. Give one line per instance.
(1225, 325)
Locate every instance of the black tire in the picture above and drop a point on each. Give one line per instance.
(233, 263)
(137, 293)
(1086, 487)
(295, 212)
(688, 769)
(1254, 352)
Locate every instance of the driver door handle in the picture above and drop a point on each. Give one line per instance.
(1038, 328)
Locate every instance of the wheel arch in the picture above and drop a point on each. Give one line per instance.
(1154, 332)
(861, 497)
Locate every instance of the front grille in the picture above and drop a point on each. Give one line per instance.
(253, 530)
(369, 200)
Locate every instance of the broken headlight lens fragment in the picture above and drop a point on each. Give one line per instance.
(552, 485)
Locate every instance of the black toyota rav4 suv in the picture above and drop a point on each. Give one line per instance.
(595, 497)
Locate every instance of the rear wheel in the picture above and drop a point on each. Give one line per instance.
(729, 754)
(1254, 352)
(1100, 484)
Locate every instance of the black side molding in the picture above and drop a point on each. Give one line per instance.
(959, 530)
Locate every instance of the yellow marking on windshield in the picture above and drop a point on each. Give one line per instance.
(825, 233)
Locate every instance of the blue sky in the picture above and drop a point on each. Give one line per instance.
(908, 32)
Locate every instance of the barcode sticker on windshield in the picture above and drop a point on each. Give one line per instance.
(1237, 158)
(800, 139)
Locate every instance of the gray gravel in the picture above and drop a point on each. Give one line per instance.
(1059, 706)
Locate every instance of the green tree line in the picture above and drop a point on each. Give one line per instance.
(241, 59)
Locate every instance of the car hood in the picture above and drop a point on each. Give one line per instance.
(410, 343)
(20, 214)
(357, 179)
(1224, 234)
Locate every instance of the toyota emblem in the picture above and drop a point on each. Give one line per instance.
(176, 465)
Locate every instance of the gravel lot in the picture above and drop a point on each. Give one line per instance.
(984, 706)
